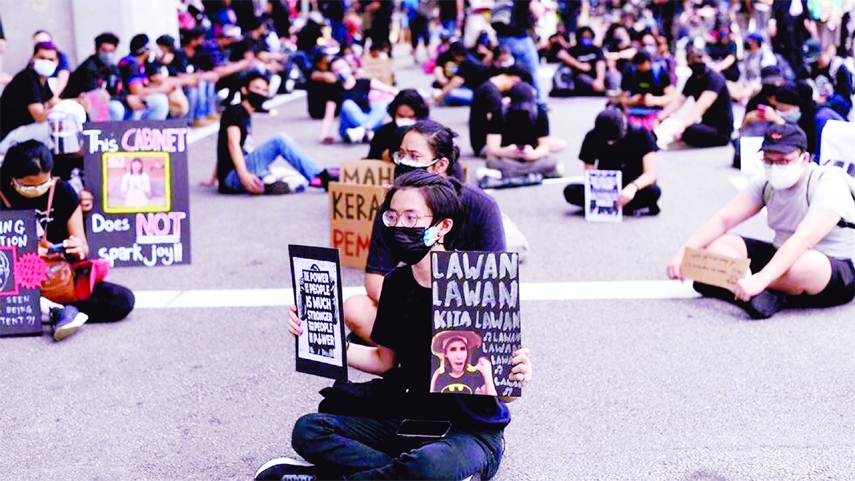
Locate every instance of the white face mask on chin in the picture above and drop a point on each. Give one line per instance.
(782, 177)
(404, 122)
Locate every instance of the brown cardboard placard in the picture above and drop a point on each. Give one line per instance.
(352, 211)
(713, 269)
(380, 68)
(367, 172)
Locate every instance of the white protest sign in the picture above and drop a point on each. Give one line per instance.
(602, 190)
(836, 146)
(751, 159)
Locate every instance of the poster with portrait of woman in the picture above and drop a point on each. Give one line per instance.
(476, 322)
(136, 182)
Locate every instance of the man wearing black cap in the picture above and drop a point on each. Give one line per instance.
(809, 262)
(146, 99)
(615, 145)
(518, 144)
(710, 122)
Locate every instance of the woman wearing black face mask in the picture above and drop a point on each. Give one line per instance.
(424, 212)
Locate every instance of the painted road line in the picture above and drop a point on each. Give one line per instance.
(579, 179)
(532, 291)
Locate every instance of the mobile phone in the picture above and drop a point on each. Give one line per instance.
(56, 248)
(418, 428)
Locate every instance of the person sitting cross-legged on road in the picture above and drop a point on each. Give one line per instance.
(358, 439)
(615, 145)
(518, 144)
(809, 262)
(242, 168)
(710, 121)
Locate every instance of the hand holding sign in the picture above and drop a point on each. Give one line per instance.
(713, 269)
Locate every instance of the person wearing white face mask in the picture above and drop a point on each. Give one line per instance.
(406, 109)
(809, 262)
(28, 98)
(58, 80)
(99, 73)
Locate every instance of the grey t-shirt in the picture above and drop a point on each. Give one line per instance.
(786, 209)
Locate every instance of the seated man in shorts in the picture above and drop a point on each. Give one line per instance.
(809, 262)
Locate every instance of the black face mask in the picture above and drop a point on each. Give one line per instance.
(401, 169)
(256, 100)
(410, 244)
(697, 69)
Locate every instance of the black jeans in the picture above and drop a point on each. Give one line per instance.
(646, 197)
(700, 135)
(109, 303)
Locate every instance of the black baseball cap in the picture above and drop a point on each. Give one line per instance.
(139, 44)
(784, 139)
(610, 124)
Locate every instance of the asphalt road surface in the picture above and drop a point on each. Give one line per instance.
(635, 378)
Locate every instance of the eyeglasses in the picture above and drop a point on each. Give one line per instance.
(411, 159)
(408, 218)
(781, 160)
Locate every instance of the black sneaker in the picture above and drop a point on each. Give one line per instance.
(533, 178)
(645, 211)
(66, 321)
(277, 187)
(764, 305)
(287, 469)
(715, 292)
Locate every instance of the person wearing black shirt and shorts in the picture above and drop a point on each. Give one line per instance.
(616, 145)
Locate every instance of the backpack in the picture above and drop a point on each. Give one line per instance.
(811, 188)
(562, 82)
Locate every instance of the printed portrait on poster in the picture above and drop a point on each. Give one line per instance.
(136, 182)
(457, 373)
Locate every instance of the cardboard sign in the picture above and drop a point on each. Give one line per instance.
(713, 269)
(379, 68)
(352, 211)
(475, 322)
(368, 172)
(137, 172)
(316, 277)
(602, 190)
(22, 271)
(750, 157)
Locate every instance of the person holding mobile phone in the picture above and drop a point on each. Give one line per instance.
(410, 433)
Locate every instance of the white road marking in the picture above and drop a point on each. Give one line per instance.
(532, 291)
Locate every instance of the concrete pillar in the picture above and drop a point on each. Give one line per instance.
(74, 25)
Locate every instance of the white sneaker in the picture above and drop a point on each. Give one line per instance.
(355, 134)
(482, 172)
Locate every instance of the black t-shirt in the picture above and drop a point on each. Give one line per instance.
(248, 44)
(589, 55)
(24, 89)
(625, 155)
(651, 82)
(481, 231)
(621, 63)
(333, 10)
(521, 20)
(518, 129)
(91, 75)
(719, 115)
(720, 51)
(447, 10)
(387, 137)
(403, 324)
(318, 93)
(359, 94)
(65, 202)
(486, 104)
(179, 65)
(308, 37)
(233, 115)
(474, 73)
(828, 84)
